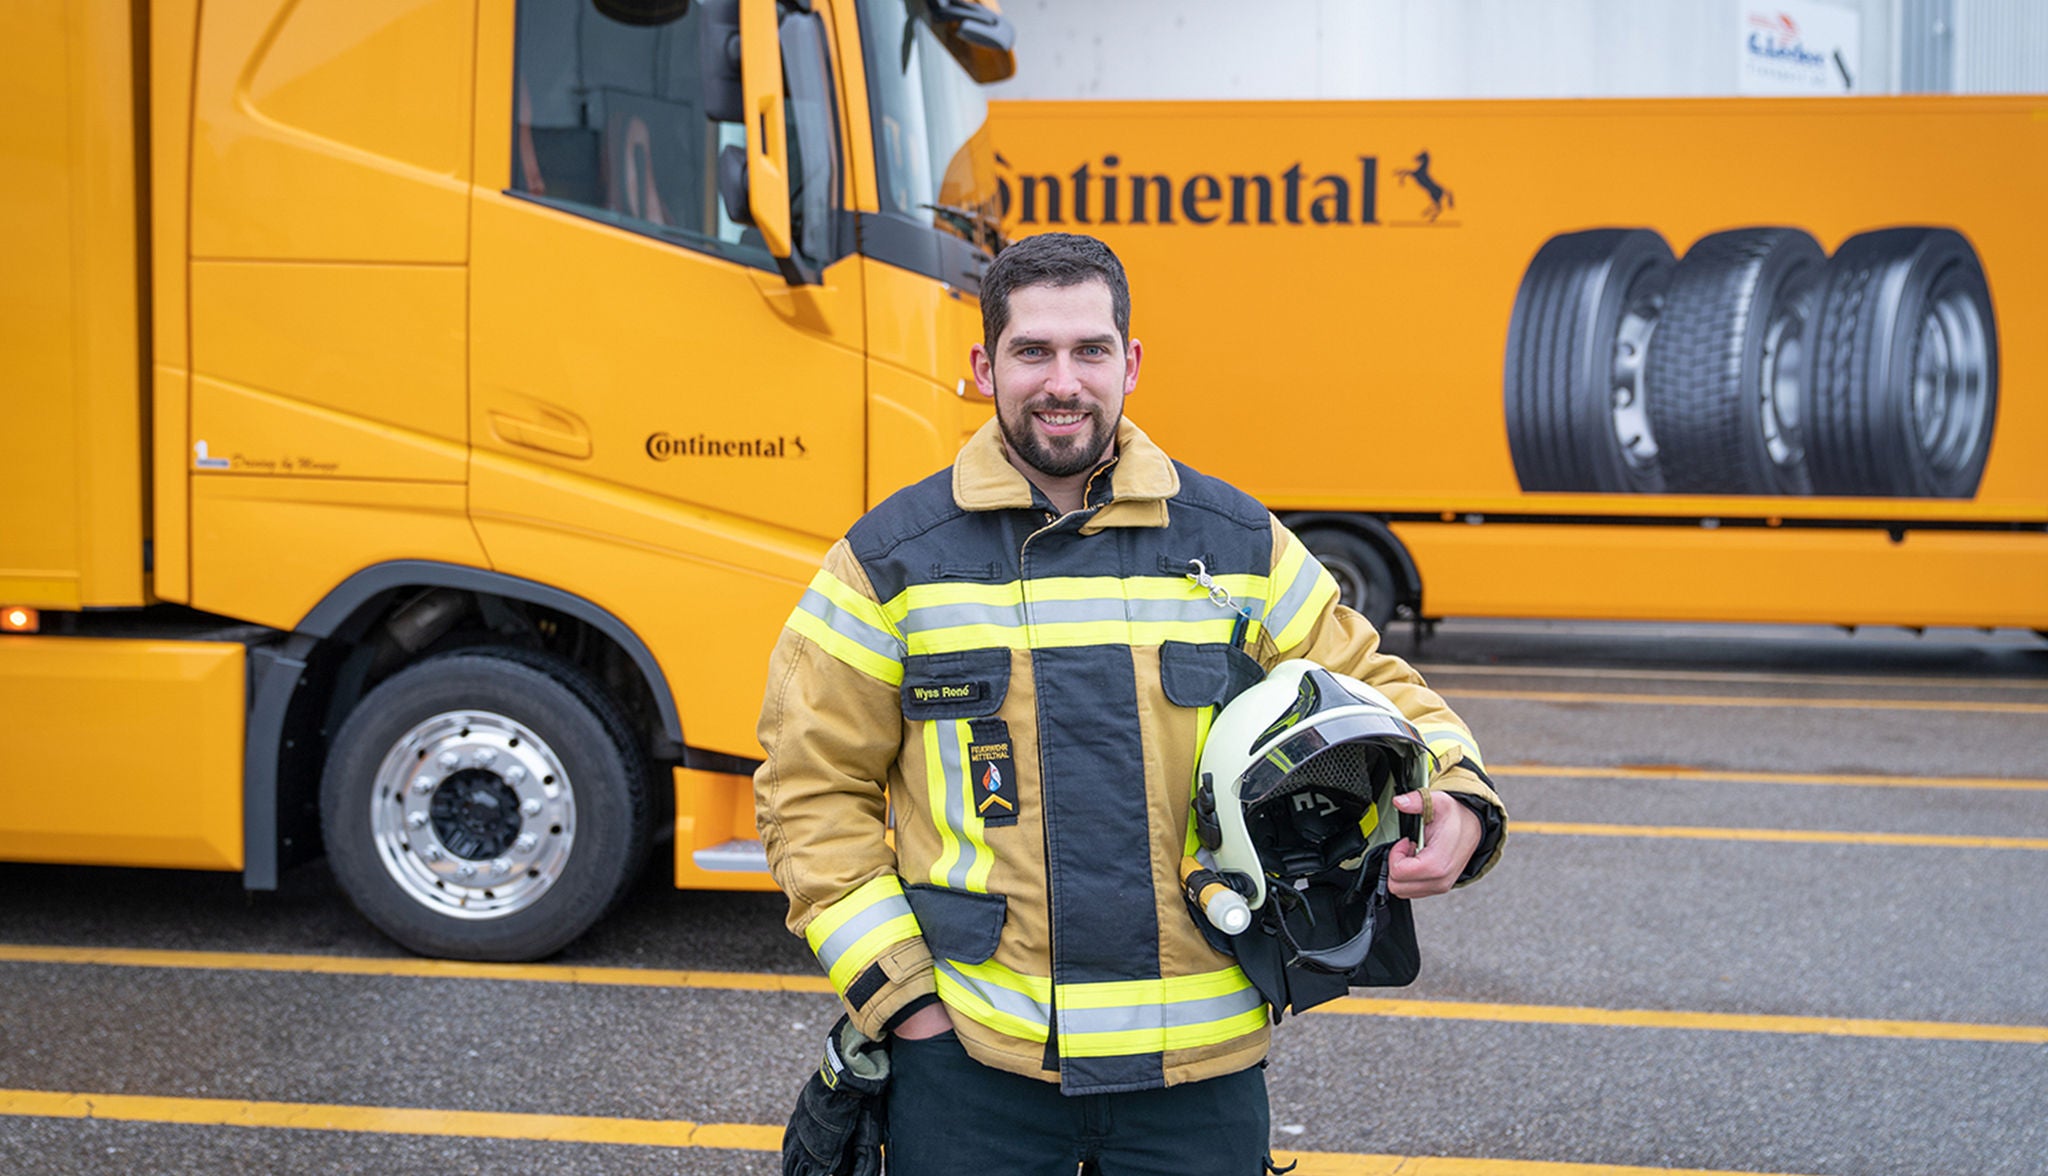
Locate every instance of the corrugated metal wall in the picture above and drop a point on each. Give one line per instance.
(1494, 48)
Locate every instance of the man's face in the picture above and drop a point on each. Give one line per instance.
(1059, 376)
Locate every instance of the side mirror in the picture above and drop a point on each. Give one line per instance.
(767, 143)
(983, 42)
(718, 61)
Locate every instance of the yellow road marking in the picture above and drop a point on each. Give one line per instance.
(1806, 836)
(220, 1112)
(1677, 772)
(1907, 704)
(1452, 1010)
(246, 961)
(766, 982)
(1894, 681)
(223, 1112)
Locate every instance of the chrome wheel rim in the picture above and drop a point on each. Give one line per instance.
(473, 815)
(1951, 381)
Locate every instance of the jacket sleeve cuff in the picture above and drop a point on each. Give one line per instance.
(1470, 788)
(871, 947)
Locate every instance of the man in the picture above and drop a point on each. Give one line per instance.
(1010, 660)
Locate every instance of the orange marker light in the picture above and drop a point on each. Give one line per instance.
(15, 619)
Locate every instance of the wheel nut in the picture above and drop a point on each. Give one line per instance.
(422, 784)
(514, 774)
(484, 757)
(531, 808)
(449, 759)
(526, 841)
(434, 853)
(501, 866)
(465, 870)
(417, 819)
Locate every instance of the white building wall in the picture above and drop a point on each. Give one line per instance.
(1246, 49)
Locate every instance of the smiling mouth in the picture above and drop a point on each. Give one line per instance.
(1060, 420)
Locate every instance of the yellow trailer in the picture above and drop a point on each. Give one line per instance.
(422, 415)
(1723, 360)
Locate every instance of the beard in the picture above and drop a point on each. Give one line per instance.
(1058, 457)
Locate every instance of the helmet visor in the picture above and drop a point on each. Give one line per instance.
(1314, 754)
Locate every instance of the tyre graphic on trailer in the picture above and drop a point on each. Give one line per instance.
(1577, 345)
(1905, 373)
(1755, 365)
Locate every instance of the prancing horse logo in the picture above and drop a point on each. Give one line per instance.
(1439, 196)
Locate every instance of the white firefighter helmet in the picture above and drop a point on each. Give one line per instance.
(1298, 776)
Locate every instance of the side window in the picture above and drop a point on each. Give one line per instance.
(609, 123)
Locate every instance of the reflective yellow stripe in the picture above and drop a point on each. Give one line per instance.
(1295, 628)
(1029, 997)
(1203, 717)
(844, 595)
(1123, 1043)
(1141, 610)
(1442, 739)
(1064, 635)
(939, 787)
(846, 649)
(851, 933)
(1114, 994)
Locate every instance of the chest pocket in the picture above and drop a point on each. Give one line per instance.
(1206, 675)
(968, 684)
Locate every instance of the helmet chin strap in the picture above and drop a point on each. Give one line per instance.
(1344, 957)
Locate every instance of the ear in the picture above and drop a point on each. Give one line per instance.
(1133, 356)
(984, 371)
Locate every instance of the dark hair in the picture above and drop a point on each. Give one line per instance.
(1052, 259)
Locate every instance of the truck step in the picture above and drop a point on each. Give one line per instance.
(743, 855)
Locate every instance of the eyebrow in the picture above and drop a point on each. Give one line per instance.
(1018, 341)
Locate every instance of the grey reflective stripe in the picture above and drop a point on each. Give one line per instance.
(1178, 1014)
(1295, 595)
(1002, 1000)
(1192, 609)
(956, 785)
(850, 626)
(849, 933)
(953, 616)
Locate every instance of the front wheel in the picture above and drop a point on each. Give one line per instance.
(1365, 580)
(485, 805)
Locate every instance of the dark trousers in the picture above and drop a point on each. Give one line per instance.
(949, 1115)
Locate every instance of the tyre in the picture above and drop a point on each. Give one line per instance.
(485, 805)
(1904, 388)
(1578, 340)
(1365, 580)
(1727, 379)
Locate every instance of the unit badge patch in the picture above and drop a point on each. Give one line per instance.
(992, 768)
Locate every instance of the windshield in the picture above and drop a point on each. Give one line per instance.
(934, 162)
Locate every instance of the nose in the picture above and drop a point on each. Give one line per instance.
(1064, 379)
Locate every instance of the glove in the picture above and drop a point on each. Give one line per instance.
(836, 1129)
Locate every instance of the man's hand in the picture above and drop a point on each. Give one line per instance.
(1451, 834)
(932, 1019)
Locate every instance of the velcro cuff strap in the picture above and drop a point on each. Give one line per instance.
(866, 985)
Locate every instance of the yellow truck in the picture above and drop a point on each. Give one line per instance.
(1720, 360)
(421, 415)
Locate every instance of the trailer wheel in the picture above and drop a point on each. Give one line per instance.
(1365, 580)
(1578, 346)
(1905, 367)
(485, 805)
(1727, 379)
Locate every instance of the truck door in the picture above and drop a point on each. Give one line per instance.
(640, 368)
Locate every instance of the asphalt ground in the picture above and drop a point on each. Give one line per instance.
(1773, 901)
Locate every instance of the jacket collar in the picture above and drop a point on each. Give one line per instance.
(1141, 483)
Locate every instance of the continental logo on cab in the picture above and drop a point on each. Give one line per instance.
(1105, 192)
(663, 446)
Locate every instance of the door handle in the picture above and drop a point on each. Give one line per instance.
(557, 433)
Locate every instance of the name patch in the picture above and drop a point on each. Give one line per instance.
(993, 770)
(949, 692)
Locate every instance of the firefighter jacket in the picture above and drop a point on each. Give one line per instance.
(1022, 697)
